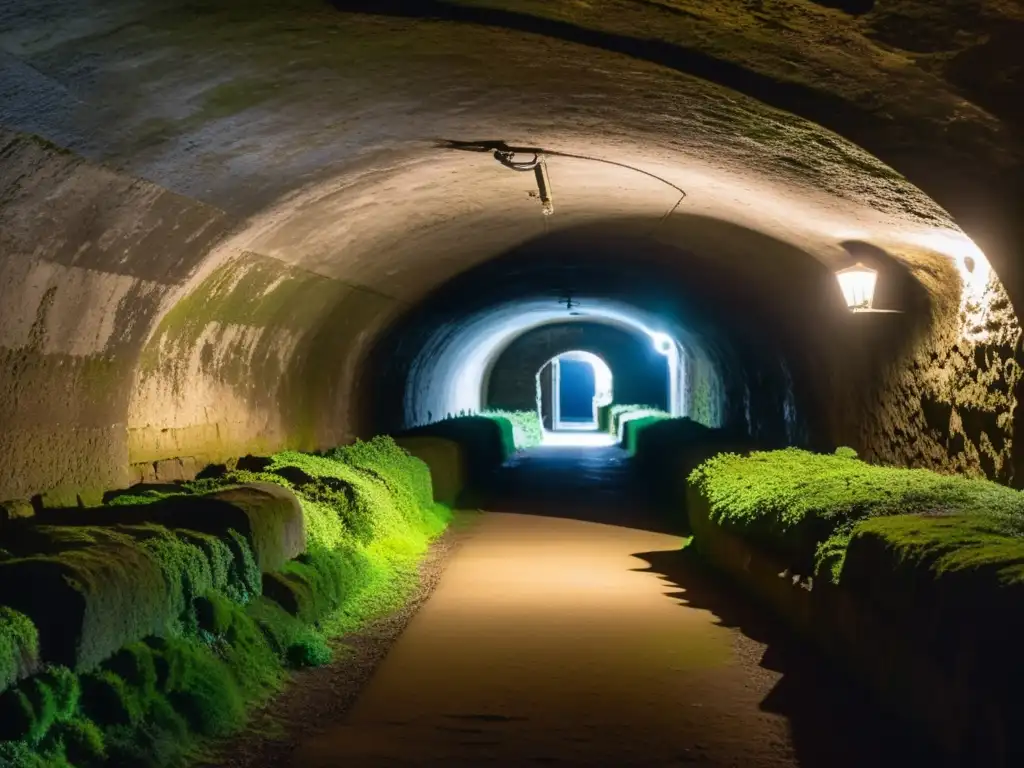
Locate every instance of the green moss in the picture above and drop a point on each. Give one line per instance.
(295, 642)
(163, 739)
(17, 716)
(199, 686)
(145, 497)
(526, 426)
(109, 700)
(618, 412)
(806, 506)
(288, 298)
(18, 754)
(245, 649)
(319, 582)
(309, 651)
(88, 601)
(29, 710)
(221, 646)
(135, 664)
(213, 613)
(446, 461)
(634, 426)
(486, 442)
(65, 690)
(948, 545)
(80, 741)
(19, 646)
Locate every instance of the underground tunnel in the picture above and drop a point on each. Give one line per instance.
(496, 381)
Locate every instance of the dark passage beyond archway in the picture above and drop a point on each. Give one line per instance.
(576, 391)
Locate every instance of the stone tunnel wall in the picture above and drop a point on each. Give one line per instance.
(260, 356)
(215, 381)
(946, 397)
(103, 368)
(87, 256)
(639, 373)
(117, 365)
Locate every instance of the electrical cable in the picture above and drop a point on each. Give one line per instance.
(506, 156)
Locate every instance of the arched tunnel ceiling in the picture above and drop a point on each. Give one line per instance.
(274, 111)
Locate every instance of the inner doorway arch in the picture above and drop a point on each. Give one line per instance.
(570, 389)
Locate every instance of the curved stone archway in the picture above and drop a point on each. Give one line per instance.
(639, 373)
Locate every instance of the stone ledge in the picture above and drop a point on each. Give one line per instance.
(954, 711)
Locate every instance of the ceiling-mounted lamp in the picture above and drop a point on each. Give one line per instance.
(540, 172)
(662, 342)
(858, 286)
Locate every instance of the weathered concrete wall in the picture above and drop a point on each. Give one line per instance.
(213, 381)
(252, 360)
(639, 373)
(86, 256)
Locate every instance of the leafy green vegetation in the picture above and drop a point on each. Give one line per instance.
(184, 658)
(809, 507)
(526, 426)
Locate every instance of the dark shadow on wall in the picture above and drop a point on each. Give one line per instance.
(808, 102)
(833, 722)
(853, 7)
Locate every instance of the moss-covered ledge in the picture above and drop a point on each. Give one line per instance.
(924, 606)
(963, 718)
(158, 620)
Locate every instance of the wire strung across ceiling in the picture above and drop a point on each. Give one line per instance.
(505, 155)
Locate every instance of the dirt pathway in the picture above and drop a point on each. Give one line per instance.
(548, 642)
(580, 635)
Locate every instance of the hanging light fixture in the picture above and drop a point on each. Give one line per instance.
(858, 286)
(540, 172)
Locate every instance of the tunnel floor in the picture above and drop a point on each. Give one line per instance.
(553, 639)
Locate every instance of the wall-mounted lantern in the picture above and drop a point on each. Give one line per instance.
(858, 286)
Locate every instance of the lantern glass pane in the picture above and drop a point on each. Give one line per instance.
(858, 286)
